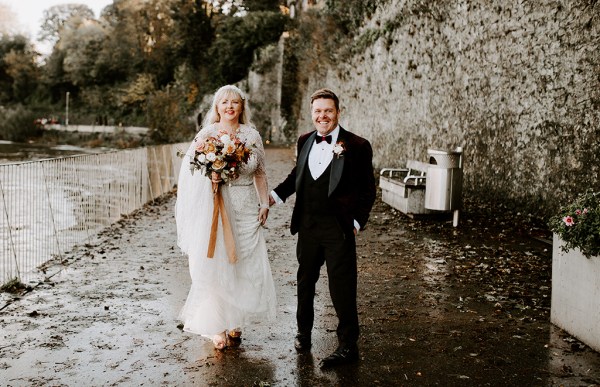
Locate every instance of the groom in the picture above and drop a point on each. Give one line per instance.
(335, 190)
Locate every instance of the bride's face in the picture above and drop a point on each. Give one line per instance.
(230, 108)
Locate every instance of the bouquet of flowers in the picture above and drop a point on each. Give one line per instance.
(222, 154)
(578, 224)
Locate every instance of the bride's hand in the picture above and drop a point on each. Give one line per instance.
(263, 214)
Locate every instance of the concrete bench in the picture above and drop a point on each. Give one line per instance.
(404, 188)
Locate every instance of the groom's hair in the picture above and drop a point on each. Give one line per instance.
(326, 94)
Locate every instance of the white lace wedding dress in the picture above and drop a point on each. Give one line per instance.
(224, 295)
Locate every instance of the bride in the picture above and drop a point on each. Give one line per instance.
(224, 297)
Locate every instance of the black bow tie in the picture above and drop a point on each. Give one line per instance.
(324, 138)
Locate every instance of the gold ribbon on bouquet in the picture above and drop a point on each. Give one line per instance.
(219, 208)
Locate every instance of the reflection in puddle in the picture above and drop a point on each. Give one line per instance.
(435, 265)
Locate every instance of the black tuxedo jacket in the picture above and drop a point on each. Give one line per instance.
(351, 181)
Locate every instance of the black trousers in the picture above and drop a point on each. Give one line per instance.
(321, 240)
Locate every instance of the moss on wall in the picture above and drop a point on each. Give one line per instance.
(516, 84)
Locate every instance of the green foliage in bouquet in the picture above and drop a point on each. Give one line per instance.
(578, 224)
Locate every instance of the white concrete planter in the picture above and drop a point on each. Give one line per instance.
(575, 301)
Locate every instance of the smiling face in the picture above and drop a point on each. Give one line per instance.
(325, 115)
(230, 107)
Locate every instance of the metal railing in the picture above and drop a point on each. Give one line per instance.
(47, 207)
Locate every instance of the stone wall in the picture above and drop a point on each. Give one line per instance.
(263, 86)
(516, 84)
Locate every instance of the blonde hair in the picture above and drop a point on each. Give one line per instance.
(212, 115)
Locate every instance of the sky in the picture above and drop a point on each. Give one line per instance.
(29, 14)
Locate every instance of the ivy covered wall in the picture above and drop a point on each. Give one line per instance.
(516, 84)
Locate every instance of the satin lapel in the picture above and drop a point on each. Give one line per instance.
(302, 159)
(337, 166)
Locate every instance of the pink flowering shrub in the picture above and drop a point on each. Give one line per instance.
(578, 224)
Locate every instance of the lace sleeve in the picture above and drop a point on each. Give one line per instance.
(260, 175)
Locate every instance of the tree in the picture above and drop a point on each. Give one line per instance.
(167, 115)
(158, 44)
(193, 35)
(81, 40)
(121, 55)
(141, 60)
(237, 39)
(19, 73)
(55, 18)
(54, 77)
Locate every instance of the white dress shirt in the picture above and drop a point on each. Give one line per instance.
(321, 154)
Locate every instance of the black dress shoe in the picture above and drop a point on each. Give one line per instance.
(342, 355)
(302, 342)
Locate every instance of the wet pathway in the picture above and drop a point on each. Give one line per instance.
(438, 306)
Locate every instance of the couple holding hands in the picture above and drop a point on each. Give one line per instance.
(335, 190)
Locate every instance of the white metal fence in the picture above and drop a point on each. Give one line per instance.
(47, 207)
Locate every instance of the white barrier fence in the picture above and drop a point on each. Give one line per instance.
(49, 206)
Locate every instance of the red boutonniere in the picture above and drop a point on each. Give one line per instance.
(339, 149)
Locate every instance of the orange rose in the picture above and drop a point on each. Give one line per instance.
(210, 147)
(218, 164)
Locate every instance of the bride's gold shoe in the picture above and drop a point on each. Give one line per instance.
(234, 338)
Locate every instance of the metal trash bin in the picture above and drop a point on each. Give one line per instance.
(443, 187)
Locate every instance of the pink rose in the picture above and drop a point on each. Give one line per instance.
(569, 221)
